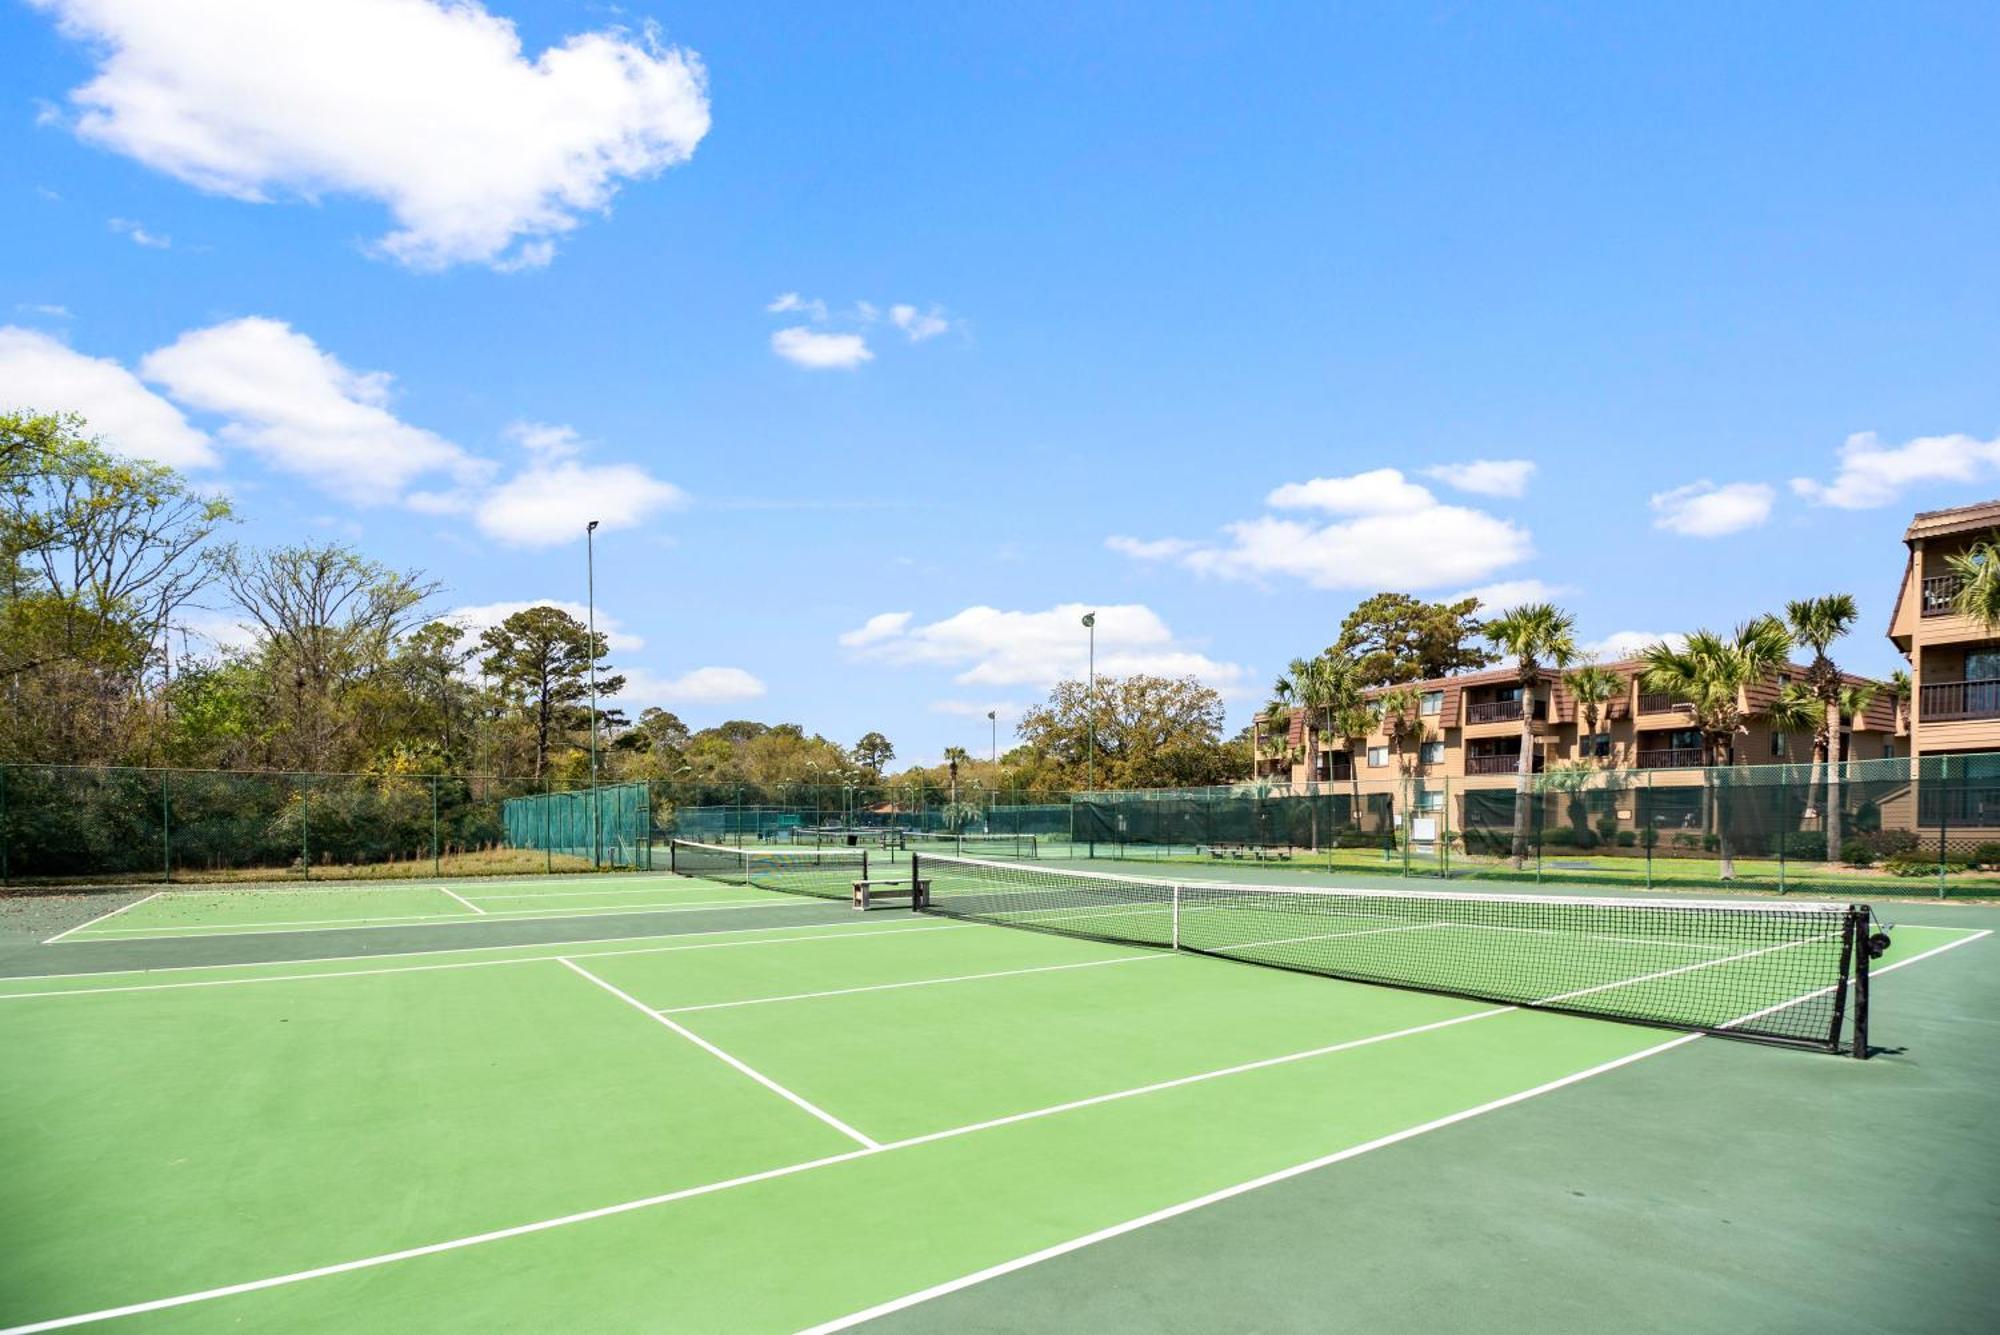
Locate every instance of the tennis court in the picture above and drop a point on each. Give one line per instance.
(698, 1103)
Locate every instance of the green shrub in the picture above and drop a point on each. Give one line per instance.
(1857, 853)
(1986, 856)
(1607, 827)
(1910, 864)
(1684, 840)
(1800, 845)
(1627, 838)
(1885, 843)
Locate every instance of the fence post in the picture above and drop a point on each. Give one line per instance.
(437, 854)
(305, 826)
(1644, 811)
(548, 851)
(1944, 817)
(6, 831)
(1444, 845)
(167, 825)
(1783, 823)
(1537, 830)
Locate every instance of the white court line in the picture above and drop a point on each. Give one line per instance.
(918, 982)
(1872, 972)
(847, 933)
(278, 928)
(102, 916)
(789, 1170)
(1685, 968)
(463, 900)
(668, 889)
(797, 1100)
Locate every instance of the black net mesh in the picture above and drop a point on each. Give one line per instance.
(821, 873)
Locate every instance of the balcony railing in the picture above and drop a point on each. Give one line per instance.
(1501, 711)
(1671, 757)
(1958, 700)
(1659, 702)
(1939, 590)
(1496, 764)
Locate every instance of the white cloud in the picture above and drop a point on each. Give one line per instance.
(41, 373)
(139, 236)
(820, 352)
(1508, 593)
(1628, 643)
(480, 617)
(547, 504)
(700, 686)
(1873, 474)
(881, 626)
(1395, 534)
(1379, 491)
(304, 412)
(1155, 549)
(1704, 510)
(1008, 710)
(986, 646)
(207, 630)
(790, 302)
(1486, 477)
(546, 440)
(919, 325)
(479, 153)
(47, 309)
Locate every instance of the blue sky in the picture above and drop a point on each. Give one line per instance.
(1149, 299)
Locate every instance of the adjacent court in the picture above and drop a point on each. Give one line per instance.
(812, 1117)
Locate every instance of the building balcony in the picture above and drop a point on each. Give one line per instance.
(1659, 702)
(1501, 711)
(1945, 700)
(1671, 757)
(1938, 592)
(1498, 764)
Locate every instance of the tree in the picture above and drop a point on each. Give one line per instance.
(1710, 672)
(1817, 623)
(1898, 688)
(1978, 571)
(1399, 713)
(1538, 636)
(1593, 688)
(872, 753)
(1393, 638)
(953, 757)
(541, 658)
(1144, 725)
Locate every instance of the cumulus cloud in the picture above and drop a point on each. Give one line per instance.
(1486, 477)
(985, 646)
(1704, 510)
(789, 303)
(478, 152)
(1628, 643)
(1507, 593)
(546, 505)
(42, 373)
(1389, 532)
(477, 618)
(137, 234)
(304, 412)
(919, 325)
(1872, 474)
(821, 352)
(700, 686)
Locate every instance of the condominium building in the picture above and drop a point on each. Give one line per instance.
(1472, 729)
(1954, 660)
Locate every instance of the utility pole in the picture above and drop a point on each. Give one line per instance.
(1090, 707)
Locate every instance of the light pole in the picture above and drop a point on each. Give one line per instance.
(1090, 708)
(590, 606)
(993, 717)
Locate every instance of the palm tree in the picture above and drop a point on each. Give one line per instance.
(1538, 636)
(1710, 672)
(1593, 688)
(952, 755)
(1899, 691)
(1978, 571)
(1399, 714)
(1817, 623)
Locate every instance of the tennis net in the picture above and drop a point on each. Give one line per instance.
(1793, 972)
(828, 873)
(829, 836)
(978, 845)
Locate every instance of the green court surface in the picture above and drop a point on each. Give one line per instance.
(940, 1125)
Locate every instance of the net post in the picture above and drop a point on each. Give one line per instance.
(1850, 943)
(919, 901)
(1177, 916)
(1861, 915)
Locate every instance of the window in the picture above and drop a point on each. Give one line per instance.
(1982, 664)
(1378, 756)
(1430, 800)
(1594, 747)
(1431, 702)
(1431, 753)
(1888, 750)
(1778, 744)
